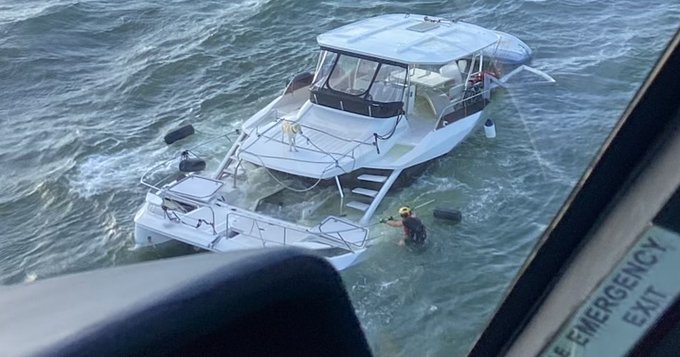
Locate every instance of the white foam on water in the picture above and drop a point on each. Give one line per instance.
(103, 173)
(30, 277)
(388, 283)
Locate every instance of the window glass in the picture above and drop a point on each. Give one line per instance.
(326, 62)
(389, 84)
(352, 75)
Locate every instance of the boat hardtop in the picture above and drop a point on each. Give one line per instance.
(410, 39)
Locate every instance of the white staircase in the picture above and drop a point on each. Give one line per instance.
(373, 196)
(225, 172)
(358, 205)
(372, 178)
(232, 156)
(365, 192)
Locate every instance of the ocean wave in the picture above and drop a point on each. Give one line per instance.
(102, 173)
(21, 11)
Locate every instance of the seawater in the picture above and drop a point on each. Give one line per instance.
(89, 88)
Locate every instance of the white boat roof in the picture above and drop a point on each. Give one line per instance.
(409, 39)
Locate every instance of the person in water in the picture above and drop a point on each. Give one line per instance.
(414, 230)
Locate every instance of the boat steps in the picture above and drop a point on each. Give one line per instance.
(372, 178)
(366, 196)
(358, 205)
(365, 192)
(226, 172)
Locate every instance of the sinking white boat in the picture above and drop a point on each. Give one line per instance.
(309, 170)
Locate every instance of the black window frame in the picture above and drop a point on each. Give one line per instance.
(360, 103)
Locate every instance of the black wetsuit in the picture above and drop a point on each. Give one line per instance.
(415, 231)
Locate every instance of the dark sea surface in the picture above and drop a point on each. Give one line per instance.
(89, 89)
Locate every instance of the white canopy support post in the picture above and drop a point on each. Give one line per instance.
(342, 195)
(492, 82)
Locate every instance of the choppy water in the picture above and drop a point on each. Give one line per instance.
(89, 88)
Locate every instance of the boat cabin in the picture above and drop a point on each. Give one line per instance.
(386, 65)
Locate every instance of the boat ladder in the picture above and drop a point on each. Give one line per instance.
(373, 189)
(232, 156)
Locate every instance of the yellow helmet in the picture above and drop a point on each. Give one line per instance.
(404, 211)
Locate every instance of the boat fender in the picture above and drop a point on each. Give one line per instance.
(449, 214)
(178, 134)
(490, 129)
(191, 165)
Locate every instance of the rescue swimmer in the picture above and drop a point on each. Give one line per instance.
(415, 234)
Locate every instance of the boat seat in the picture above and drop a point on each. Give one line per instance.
(463, 65)
(452, 72)
(456, 92)
(438, 101)
(386, 92)
(454, 87)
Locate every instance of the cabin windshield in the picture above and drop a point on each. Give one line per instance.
(359, 85)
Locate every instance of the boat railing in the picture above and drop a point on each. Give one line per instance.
(337, 235)
(335, 157)
(488, 82)
(156, 185)
(461, 104)
(256, 226)
(352, 151)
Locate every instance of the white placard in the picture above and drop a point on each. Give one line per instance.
(627, 302)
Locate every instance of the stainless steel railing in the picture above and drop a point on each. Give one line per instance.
(257, 226)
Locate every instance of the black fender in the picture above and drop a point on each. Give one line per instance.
(449, 214)
(178, 134)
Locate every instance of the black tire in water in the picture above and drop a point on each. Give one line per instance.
(449, 214)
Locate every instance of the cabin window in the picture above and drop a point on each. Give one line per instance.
(352, 75)
(359, 85)
(360, 77)
(326, 62)
(388, 85)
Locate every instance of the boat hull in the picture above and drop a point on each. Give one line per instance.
(145, 236)
(151, 230)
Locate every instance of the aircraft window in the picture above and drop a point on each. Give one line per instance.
(89, 90)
